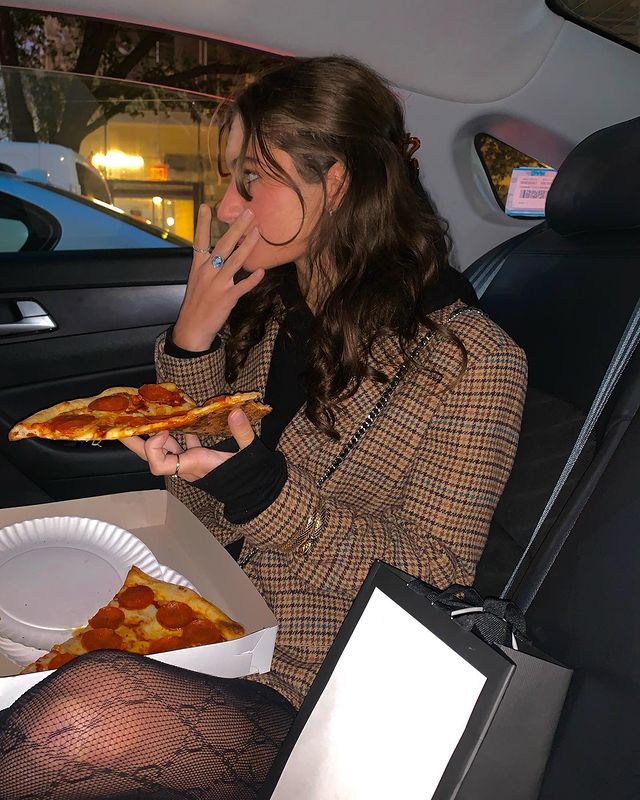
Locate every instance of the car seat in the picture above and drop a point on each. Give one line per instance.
(564, 291)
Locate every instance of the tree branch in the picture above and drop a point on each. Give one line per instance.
(204, 69)
(145, 44)
(20, 119)
(94, 41)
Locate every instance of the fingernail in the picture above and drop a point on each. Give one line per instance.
(247, 213)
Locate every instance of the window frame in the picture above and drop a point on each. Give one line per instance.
(44, 235)
(557, 8)
(496, 196)
(152, 230)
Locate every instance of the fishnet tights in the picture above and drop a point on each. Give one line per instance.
(114, 725)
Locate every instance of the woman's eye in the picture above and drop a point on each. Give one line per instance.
(250, 176)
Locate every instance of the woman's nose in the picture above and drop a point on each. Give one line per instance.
(231, 205)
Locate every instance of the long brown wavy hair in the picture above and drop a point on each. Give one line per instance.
(380, 250)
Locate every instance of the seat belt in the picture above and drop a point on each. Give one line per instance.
(619, 361)
(482, 272)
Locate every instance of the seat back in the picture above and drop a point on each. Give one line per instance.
(585, 614)
(564, 293)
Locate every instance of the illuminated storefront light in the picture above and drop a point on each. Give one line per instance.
(116, 159)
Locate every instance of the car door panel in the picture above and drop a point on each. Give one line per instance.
(108, 309)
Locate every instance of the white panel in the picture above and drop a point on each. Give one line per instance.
(366, 738)
(585, 84)
(470, 50)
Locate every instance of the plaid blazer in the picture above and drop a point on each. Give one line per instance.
(418, 490)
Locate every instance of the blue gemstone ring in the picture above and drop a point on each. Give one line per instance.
(217, 262)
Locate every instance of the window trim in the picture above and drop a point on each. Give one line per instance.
(501, 205)
(38, 242)
(561, 11)
(152, 230)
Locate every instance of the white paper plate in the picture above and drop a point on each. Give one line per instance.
(56, 572)
(171, 576)
(22, 654)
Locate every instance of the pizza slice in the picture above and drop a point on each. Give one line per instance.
(146, 616)
(126, 411)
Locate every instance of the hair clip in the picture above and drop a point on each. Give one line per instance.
(412, 145)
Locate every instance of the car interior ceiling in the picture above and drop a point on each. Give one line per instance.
(566, 291)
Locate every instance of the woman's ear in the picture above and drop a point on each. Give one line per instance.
(337, 185)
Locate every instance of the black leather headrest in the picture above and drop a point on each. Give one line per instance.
(596, 188)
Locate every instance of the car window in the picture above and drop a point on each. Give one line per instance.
(499, 160)
(140, 106)
(615, 19)
(13, 235)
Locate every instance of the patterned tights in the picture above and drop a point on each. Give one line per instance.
(118, 726)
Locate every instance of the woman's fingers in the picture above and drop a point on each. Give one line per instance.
(240, 428)
(247, 284)
(191, 440)
(163, 452)
(161, 461)
(226, 244)
(235, 261)
(136, 444)
(202, 237)
(171, 445)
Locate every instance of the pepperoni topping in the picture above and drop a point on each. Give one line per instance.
(201, 631)
(174, 614)
(70, 423)
(136, 597)
(165, 644)
(136, 402)
(111, 402)
(59, 659)
(158, 394)
(107, 617)
(101, 639)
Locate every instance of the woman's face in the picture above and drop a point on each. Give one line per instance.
(277, 209)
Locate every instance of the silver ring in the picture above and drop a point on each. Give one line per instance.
(175, 474)
(217, 262)
(201, 250)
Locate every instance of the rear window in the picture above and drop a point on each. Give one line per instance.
(503, 163)
(615, 19)
(140, 106)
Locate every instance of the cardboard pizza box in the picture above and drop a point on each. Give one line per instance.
(178, 540)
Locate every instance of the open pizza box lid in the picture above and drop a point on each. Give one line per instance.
(179, 540)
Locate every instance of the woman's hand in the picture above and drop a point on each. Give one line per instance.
(163, 453)
(211, 293)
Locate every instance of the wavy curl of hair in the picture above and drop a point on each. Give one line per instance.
(380, 251)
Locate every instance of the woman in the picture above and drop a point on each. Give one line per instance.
(396, 415)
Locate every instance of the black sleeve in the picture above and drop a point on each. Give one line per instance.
(172, 349)
(248, 483)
